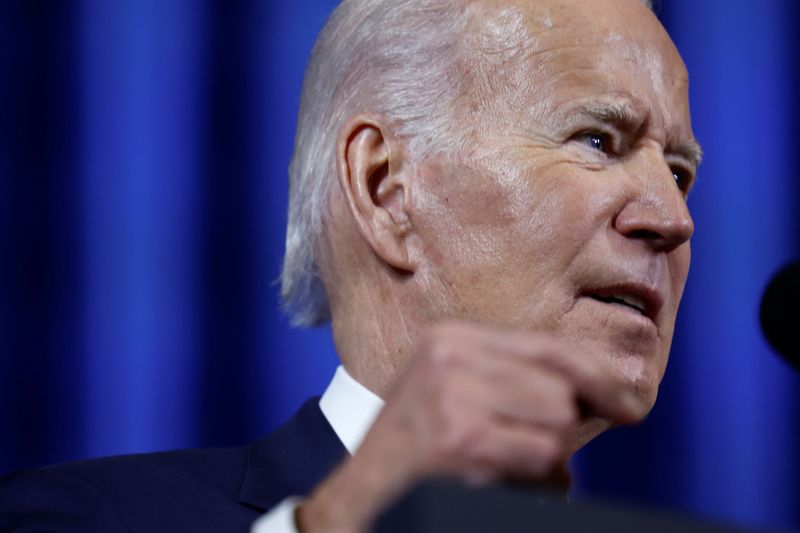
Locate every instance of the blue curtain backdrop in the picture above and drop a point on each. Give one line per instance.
(143, 155)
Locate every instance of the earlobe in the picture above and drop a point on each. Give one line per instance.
(374, 182)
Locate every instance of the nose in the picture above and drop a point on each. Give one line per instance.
(656, 213)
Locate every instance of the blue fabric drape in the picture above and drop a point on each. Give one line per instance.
(143, 155)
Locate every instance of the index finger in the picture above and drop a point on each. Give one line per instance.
(595, 386)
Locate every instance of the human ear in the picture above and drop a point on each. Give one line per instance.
(373, 178)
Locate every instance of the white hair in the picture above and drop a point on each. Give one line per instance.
(392, 57)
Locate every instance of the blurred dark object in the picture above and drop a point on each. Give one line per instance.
(780, 313)
(439, 506)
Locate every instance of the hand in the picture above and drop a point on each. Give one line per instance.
(477, 404)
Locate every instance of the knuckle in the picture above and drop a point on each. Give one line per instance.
(594, 374)
(460, 440)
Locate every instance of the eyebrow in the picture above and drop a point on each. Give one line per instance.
(619, 112)
(691, 150)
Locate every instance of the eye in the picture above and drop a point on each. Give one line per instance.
(683, 179)
(601, 142)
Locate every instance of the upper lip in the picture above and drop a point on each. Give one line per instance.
(647, 299)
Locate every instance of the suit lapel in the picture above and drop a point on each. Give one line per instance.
(291, 460)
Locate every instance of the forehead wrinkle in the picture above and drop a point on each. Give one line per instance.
(514, 27)
(517, 51)
(498, 34)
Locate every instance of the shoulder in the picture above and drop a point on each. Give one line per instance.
(222, 489)
(125, 493)
(47, 498)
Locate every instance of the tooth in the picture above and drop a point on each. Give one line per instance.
(632, 301)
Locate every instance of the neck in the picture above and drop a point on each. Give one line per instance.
(374, 337)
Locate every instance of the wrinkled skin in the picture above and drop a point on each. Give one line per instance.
(551, 203)
(554, 249)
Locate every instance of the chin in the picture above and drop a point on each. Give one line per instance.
(637, 366)
(639, 375)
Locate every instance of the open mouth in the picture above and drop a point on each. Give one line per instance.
(641, 299)
(630, 302)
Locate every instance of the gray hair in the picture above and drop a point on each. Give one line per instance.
(393, 57)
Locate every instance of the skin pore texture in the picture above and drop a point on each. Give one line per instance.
(569, 187)
(513, 232)
(563, 222)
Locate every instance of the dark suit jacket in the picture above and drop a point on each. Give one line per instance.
(214, 490)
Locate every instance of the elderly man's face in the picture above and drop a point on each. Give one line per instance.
(568, 214)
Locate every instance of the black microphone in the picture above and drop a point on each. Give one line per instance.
(780, 313)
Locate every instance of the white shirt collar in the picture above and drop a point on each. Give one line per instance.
(350, 408)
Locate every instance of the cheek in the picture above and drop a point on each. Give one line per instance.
(517, 216)
(679, 263)
(515, 221)
(494, 240)
(569, 212)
